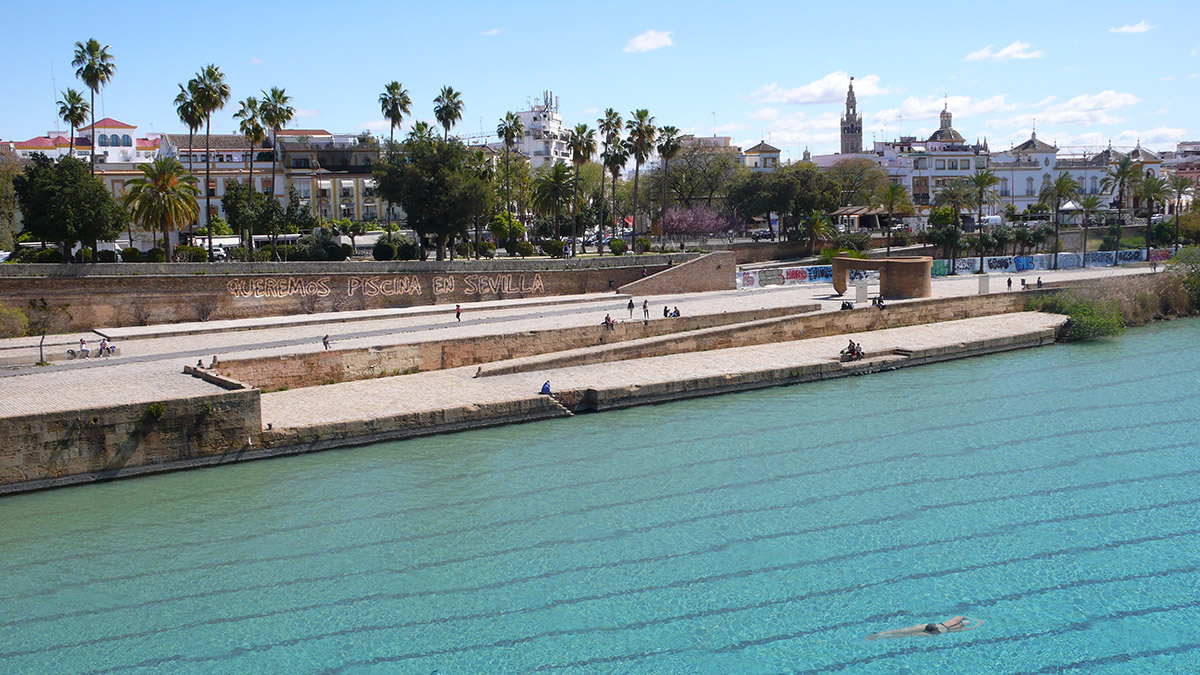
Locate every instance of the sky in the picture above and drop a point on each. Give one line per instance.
(1084, 73)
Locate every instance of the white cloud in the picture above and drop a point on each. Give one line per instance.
(732, 126)
(591, 111)
(308, 112)
(649, 41)
(764, 114)
(800, 129)
(1017, 50)
(255, 61)
(1139, 27)
(376, 125)
(929, 107)
(1163, 136)
(1167, 78)
(828, 89)
(492, 31)
(1084, 109)
(1196, 51)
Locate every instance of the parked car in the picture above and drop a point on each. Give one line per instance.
(761, 234)
(1157, 218)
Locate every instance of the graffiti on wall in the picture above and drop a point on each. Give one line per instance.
(388, 286)
(278, 287)
(790, 276)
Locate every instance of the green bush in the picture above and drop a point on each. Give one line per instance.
(463, 249)
(857, 241)
(524, 248)
(1133, 243)
(13, 322)
(641, 245)
(106, 256)
(193, 254)
(48, 255)
(617, 246)
(384, 250)
(554, 247)
(1088, 318)
(156, 255)
(407, 249)
(83, 255)
(901, 238)
(826, 256)
(347, 251)
(487, 249)
(131, 255)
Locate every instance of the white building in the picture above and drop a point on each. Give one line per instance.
(545, 139)
(761, 158)
(116, 143)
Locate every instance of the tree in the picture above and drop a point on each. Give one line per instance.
(252, 128)
(816, 227)
(859, 180)
(11, 166)
(984, 183)
(1063, 188)
(1151, 190)
(1090, 205)
(187, 107)
(73, 110)
(212, 93)
(394, 103)
(893, 198)
(669, 145)
(618, 155)
(481, 169)
(1181, 186)
(640, 144)
(95, 68)
(62, 202)
(610, 129)
(44, 319)
(354, 230)
(552, 186)
(582, 143)
(276, 112)
(163, 197)
(958, 195)
(509, 130)
(1122, 177)
(448, 108)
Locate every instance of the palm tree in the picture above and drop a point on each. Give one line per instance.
(669, 145)
(509, 130)
(1181, 186)
(1090, 205)
(1151, 190)
(94, 66)
(448, 108)
(163, 197)
(610, 128)
(583, 145)
(251, 127)
(893, 198)
(1123, 177)
(276, 112)
(190, 114)
(984, 183)
(73, 110)
(212, 95)
(394, 103)
(618, 155)
(958, 195)
(816, 227)
(552, 186)
(421, 132)
(1063, 188)
(640, 143)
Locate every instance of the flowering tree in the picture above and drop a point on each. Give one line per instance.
(695, 221)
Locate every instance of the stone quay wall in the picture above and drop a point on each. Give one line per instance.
(294, 371)
(713, 272)
(114, 301)
(102, 443)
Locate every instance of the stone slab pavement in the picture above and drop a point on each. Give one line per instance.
(437, 390)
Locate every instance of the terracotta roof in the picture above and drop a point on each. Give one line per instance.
(303, 132)
(946, 135)
(147, 144)
(1034, 145)
(40, 142)
(215, 142)
(109, 123)
(761, 148)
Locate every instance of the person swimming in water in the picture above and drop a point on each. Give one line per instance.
(958, 623)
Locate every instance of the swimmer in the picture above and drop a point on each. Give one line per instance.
(958, 623)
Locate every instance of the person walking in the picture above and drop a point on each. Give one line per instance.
(458, 313)
(646, 309)
(1010, 283)
(630, 308)
(325, 341)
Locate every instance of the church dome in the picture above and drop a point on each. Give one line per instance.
(946, 134)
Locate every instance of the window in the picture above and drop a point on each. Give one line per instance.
(347, 210)
(102, 141)
(1094, 190)
(1029, 187)
(305, 192)
(952, 164)
(966, 164)
(212, 189)
(114, 141)
(126, 141)
(1003, 187)
(300, 163)
(939, 164)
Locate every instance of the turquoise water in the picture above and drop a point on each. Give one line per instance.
(1052, 494)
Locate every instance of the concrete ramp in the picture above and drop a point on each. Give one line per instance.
(713, 272)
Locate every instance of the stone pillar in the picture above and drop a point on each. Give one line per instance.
(983, 284)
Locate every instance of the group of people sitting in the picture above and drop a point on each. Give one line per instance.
(668, 313)
(609, 322)
(878, 302)
(846, 304)
(853, 351)
(106, 349)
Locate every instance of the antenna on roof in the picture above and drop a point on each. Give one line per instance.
(714, 124)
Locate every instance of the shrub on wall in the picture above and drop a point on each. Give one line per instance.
(487, 249)
(156, 255)
(83, 255)
(48, 255)
(12, 322)
(131, 254)
(524, 248)
(191, 253)
(347, 251)
(384, 250)
(407, 249)
(463, 249)
(554, 247)
(641, 245)
(106, 256)
(617, 246)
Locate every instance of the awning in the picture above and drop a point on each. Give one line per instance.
(348, 184)
(325, 184)
(369, 183)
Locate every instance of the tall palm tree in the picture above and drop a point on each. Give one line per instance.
(94, 66)
(190, 114)
(894, 199)
(1181, 186)
(552, 186)
(1151, 190)
(276, 112)
(610, 127)
(447, 108)
(251, 127)
(163, 197)
(73, 110)
(212, 95)
(394, 103)
(958, 195)
(509, 130)
(1090, 204)
(615, 160)
(983, 182)
(640, 142)
(1064, 187)
(1123, 177)
(669, 145)
(582, 143)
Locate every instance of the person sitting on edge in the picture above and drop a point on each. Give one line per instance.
(104, 347)
(666, 312)
(675, 312)
(879, 303)
(958, 623)
(608, 321)
(83, 349)
(546, 388)
(1039, 283)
